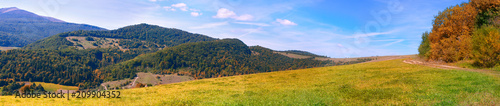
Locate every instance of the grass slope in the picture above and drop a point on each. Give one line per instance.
(378, 83)
(54, 87)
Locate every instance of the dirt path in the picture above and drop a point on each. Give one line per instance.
(105, 88)
(442, 66)
(133, 83)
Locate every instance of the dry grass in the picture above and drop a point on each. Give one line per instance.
(54, 87)
(102, 43)
(7, 48)
(377, 83)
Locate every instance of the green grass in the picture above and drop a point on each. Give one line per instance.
(380, 83)
(54, 87)
(470, 64)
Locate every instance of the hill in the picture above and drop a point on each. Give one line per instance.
(209, 59)
(378, 83)
(141, 36)
(58, 60)
(66, 67)
(19, 27)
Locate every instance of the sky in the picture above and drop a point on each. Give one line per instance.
(334, 28)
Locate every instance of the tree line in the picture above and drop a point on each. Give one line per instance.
(466, 31)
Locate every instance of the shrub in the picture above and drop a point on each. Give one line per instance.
(139, 85)
(486, 46)
(89, 39)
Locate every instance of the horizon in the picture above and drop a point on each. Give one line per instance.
(337, 29)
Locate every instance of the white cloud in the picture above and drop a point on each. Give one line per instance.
(210, 25)
(256, 24)
(195, 14)
(181, 6)
(285, 22)
(168, 8)
(246, 17)
(361, 35)
(226, 13)
(153, 0)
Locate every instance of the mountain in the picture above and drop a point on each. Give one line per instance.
(140, 36)
(88, 58)
(19, 27)
(208, 59)
(58, 59)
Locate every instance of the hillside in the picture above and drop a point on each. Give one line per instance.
(379, 83)
(59, 59)
(88, 58)
(66, 67)
(141, 36)
(19, 27)
(210, 59)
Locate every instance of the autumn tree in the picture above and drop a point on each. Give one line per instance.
(450, 36)
(486, 46)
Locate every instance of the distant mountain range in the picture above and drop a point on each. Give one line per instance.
(82, 55)
(19, 27)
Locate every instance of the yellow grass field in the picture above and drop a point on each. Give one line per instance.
(378, 83)
(54, 87)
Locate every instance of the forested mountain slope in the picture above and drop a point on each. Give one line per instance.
(208, 60)
(141, 36)
(19, 27)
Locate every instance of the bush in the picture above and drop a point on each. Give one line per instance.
(89, 39)
(486, 46)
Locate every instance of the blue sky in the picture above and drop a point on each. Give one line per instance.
(335, 28)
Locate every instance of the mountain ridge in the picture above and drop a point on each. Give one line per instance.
(20, 27)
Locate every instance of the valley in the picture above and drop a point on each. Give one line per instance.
(375, 83)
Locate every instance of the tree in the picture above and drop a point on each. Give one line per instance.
(25, 89)
(451, 32)
(486, 46)
(40, 88)
(424, 46)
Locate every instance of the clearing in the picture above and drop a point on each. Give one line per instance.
(391, 82)
(7, 48)
(53, 87)
(146, 78)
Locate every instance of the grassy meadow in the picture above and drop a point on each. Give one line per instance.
(54, 87)
(378, 83)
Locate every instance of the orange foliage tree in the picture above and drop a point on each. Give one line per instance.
(451, 33)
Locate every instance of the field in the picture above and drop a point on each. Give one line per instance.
(54, 87)
(147, 78)
(7, 48)
(390, 82)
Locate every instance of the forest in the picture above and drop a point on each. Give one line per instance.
(57, 60)
(136, 37)
(66, 67)
(469, 31)
(210, 59)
